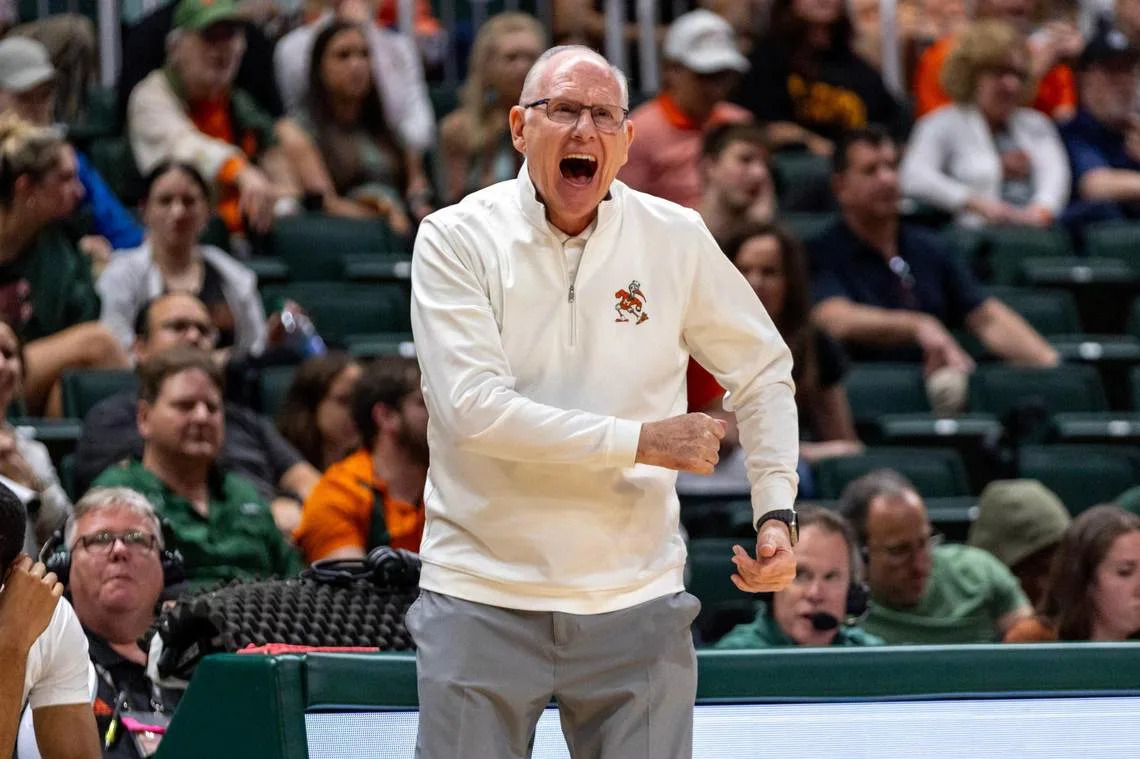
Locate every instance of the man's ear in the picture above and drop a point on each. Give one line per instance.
(516, 119)
(142, 419)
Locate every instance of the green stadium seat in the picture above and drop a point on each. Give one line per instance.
(806, 226)
(710, 573)
(59, 436)
(1006, 248)
(313, 245)
(1112, 239)
(1111, 355)
(272, 384)
(269, 270)
(952, 516)
(84, 388)
(65, 470)
(718, 519)
(973, 436)
(341, 309)
(381, 344)
(997, 389)
(1134, 383)
(113, 159)
(1081, 475)
(101, 118)
(797, 168)
(377, 268)
(875, 389)
(1102, 287)
(936, 473)
(1050, 312)
(1112, 428)
(444, 99)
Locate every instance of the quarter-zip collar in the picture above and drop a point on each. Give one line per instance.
(534, 210)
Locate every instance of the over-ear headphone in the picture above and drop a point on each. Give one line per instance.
(56, 556)
(384, 567)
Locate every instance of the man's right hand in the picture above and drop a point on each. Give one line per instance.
(687, 443)
(939, 348)
(256, 198)
(27, 602)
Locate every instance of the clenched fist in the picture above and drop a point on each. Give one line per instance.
(687, 443)
(27, 602)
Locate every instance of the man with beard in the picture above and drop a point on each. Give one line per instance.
(218, 520)
(375, 496)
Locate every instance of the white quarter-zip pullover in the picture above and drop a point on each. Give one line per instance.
(537, 379)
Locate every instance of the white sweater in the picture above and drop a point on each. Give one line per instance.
(536, 393)
(951, 157)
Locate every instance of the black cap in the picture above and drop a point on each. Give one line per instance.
(1108, 45)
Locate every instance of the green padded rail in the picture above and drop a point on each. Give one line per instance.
(253, 706)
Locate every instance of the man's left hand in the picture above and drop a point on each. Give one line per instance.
(774, 567)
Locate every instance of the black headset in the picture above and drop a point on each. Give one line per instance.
(56, 556)
(384, 567)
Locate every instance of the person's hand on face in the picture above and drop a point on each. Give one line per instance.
(27, 602)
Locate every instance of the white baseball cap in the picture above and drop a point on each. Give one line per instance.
(24, 64)
(703, 42)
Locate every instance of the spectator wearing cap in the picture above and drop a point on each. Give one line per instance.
(28, 86)
(1021, 522)
(1103, 139)
(190, 111)
(702, 66)
(71, 42)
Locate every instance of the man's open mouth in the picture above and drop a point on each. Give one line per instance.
(578, 168)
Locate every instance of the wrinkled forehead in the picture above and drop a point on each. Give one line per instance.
(581, 76)
(113, 517)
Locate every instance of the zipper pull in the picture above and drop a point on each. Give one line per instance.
(571, 293)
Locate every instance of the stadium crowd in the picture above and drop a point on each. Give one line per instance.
(205, 342)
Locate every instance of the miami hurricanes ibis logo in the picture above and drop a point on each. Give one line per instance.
(631, 304)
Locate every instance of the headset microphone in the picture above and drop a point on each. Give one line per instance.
(822, 621)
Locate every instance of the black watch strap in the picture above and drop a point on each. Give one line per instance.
(787, 516)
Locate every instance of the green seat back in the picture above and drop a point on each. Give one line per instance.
(710, 570)
(272, 384)
(1050, 312)
(799, 168)
(806, 226)
(1081, 475)
(340, 310)
(998, 389)
(935, 472)
(84, 388)
(1112, 240)
(874, 389)
(313, 245)
(1007, 247)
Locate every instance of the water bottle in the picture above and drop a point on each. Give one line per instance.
(300, 334)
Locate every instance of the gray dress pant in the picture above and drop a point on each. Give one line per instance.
(625, 681)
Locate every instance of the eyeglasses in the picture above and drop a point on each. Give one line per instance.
(901, 269)
(103, 542)
(900, 553)
(183, 325)
(607, 118)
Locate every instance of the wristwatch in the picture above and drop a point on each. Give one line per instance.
(788, 517)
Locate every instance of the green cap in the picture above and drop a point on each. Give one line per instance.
(1017, 518)
(197, 15)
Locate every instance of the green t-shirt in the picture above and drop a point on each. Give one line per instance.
(48, 288)
(237, 540)
(968, 591)
(763, 632)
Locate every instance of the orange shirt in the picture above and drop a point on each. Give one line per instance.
(1056, 92)
(338, 512)
(212, 117)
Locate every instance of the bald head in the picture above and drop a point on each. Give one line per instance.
(562, 56)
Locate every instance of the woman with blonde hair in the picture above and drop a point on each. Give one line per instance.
(46, 291)
(986, 158)
(474, 139)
